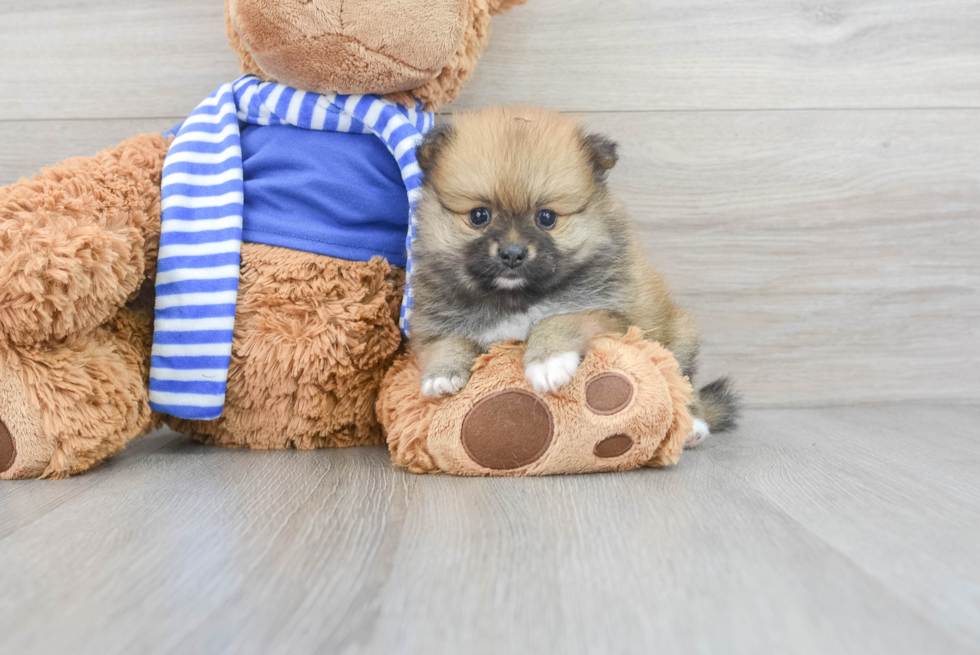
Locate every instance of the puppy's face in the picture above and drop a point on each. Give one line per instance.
(513, 200)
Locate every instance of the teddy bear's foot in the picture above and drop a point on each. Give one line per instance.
(65, 406)
(625, 407)
(512, 429)
(25, 450)
(608, 422)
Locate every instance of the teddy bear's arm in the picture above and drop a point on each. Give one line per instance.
(77, 240)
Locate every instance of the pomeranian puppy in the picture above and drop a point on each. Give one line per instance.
(519, 237)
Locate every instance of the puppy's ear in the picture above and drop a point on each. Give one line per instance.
(602, 152)
(432, 146)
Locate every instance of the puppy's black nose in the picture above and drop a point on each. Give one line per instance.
(512, 255)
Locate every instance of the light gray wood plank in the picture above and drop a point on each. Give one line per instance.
(30, 145)
(830, 257)
(760, 542)
(111, 58)
(196, 545)
(25, 501)
(672, 54)
(118, 59)
(897, 492)
(678, 562)
(942, 450)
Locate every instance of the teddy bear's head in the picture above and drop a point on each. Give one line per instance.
(404, 49)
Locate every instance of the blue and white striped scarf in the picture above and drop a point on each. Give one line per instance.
(201, 235)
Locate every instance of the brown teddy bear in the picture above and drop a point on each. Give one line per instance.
(313, 331)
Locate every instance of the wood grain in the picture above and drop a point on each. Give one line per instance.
(807, 531)
(868, 491)
(111, 58)
(630, 55)
(687, 560)
(118, 59)
(191, 533)
(830, 256)
(32, 501)
(29, 146)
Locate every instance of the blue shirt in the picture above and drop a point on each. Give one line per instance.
(330, 193)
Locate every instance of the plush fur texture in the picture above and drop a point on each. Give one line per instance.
(313, 336)
(347, 46)
(78, 240)
(427, 435)
(84, 396)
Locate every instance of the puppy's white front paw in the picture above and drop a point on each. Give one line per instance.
(553, 373)
(699, 432)
(439, 386)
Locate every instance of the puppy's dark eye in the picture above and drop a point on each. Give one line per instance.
(479, 216)
(547, 218)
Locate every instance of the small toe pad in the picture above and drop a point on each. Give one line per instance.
(608, 393)
(614, 446)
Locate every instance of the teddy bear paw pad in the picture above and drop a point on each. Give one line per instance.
(8, 451)
(507, 430)
(608, 393)
(614, 446)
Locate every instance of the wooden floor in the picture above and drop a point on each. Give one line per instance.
(807, 176)
(807, 531)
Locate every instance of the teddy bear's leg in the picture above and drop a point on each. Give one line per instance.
(66, 405)
(77, 240)
(77, 243)
(313, 338)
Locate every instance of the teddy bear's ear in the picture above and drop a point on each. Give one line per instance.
(500, 6)
(602, 151)
(427, 154)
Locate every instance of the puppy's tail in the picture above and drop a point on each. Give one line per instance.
(718, 404)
